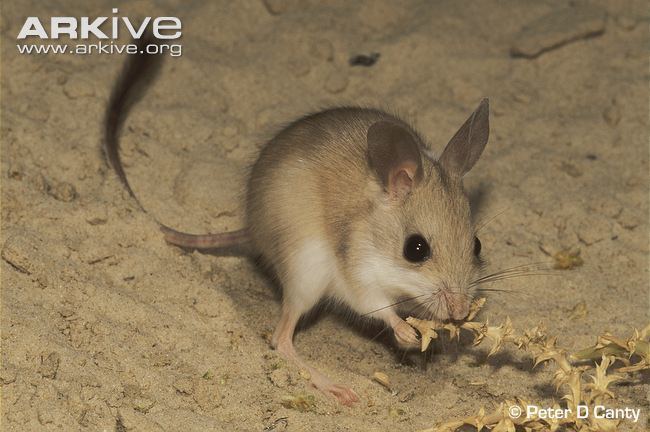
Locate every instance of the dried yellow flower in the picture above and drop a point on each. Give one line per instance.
(475, 307)
(301, 402)
(567, 376)
(427, 330)
(598, 389)
(567, 259)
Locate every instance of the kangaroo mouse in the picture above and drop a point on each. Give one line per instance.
(347, 204)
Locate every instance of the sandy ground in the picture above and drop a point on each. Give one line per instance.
(105, 327)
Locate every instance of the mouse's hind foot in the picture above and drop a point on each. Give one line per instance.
(283, 343)
(345, 395)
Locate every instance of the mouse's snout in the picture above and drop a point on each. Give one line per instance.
(459, 309)
(452, 305)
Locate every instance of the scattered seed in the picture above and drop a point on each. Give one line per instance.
(382, 379)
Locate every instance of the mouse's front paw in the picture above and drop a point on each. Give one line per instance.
(405, 335)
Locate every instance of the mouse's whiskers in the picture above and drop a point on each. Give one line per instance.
(406, 300)
(409, 312)
(487, 221)
(531, 269)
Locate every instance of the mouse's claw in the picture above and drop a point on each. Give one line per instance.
(405, 335)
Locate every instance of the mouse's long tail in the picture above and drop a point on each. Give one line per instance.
(205, 241)
(138, 73)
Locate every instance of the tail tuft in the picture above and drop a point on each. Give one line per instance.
(139, 71)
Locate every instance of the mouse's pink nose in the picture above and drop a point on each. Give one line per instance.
(458, 310)
(457, 305)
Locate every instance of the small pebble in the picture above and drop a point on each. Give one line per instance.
(96, 215)
(409, 395)
(336, 82)
(593, 231)
(63, 192)
(44, 416)
(39, 183)
(571, 169)
(628, 220)
(142, 404)
(66, 312)
(19, 251)
(184, 386)
(96, 221)
(7, 374)
(49, 365)
(78, 87)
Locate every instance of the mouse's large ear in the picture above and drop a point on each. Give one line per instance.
(394, 155)
(466, 146)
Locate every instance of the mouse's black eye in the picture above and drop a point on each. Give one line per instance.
(477, 246)
(416, 248)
